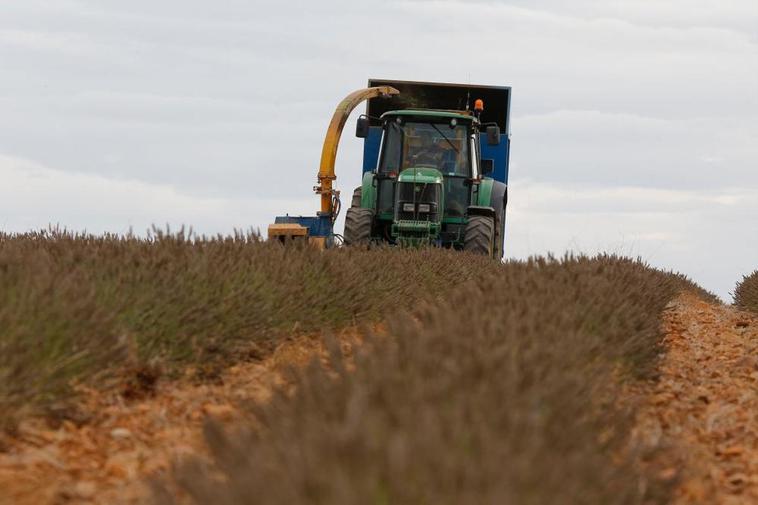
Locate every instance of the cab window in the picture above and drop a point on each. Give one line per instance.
(425, 144)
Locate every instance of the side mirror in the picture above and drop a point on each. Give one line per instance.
(488, 166)
(493, 135)
(361, 127)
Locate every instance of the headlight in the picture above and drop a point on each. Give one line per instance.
(408, 207)
(424, 207)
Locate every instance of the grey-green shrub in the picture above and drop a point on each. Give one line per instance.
(746, 293)
(504, 391)
(74, 307)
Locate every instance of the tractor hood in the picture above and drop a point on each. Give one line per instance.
(420, 175)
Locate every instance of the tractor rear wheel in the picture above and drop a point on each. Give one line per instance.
(356, 202)
(480, 235)
(358, 223)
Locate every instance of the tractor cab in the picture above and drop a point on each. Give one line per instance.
(426, 167)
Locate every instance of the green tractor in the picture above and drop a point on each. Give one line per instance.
(435, 170)
(431, 185)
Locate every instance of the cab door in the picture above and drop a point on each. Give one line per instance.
(458, 184)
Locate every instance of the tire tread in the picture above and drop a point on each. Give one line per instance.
(479, 237)
(358, 223)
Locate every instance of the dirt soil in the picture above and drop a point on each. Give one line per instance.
(700, 418)
(698, 421)
(108, 459)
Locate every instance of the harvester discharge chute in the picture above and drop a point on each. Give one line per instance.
(319, 229)
(435, 169)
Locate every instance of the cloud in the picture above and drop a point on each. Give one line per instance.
(711, 236)
(633, 122)
(33, 196)
(608, 148)
(732, 15)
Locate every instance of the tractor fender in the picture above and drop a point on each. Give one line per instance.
(368, 191)
(498, 198)
(484, 192)
(480, 210)
(493, 194)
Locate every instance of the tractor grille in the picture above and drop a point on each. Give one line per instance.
(417, 202)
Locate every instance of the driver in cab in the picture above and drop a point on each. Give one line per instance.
(427, 151)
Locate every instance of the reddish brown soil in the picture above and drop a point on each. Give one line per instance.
(108, 459)
(701, 416)
(699, 421)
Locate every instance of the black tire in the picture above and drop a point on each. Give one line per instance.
(480, 235)
(358, 223)
(356, 202)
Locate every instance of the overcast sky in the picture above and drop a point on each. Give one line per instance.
(634, 126)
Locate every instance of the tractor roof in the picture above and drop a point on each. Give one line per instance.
(430, 113)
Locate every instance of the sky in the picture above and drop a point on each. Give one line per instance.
(634, 122)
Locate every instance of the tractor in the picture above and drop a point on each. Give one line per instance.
(435, 170)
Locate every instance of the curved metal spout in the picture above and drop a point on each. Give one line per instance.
(331, 142)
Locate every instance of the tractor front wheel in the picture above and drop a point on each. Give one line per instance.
(480, 235)
(358, 223)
